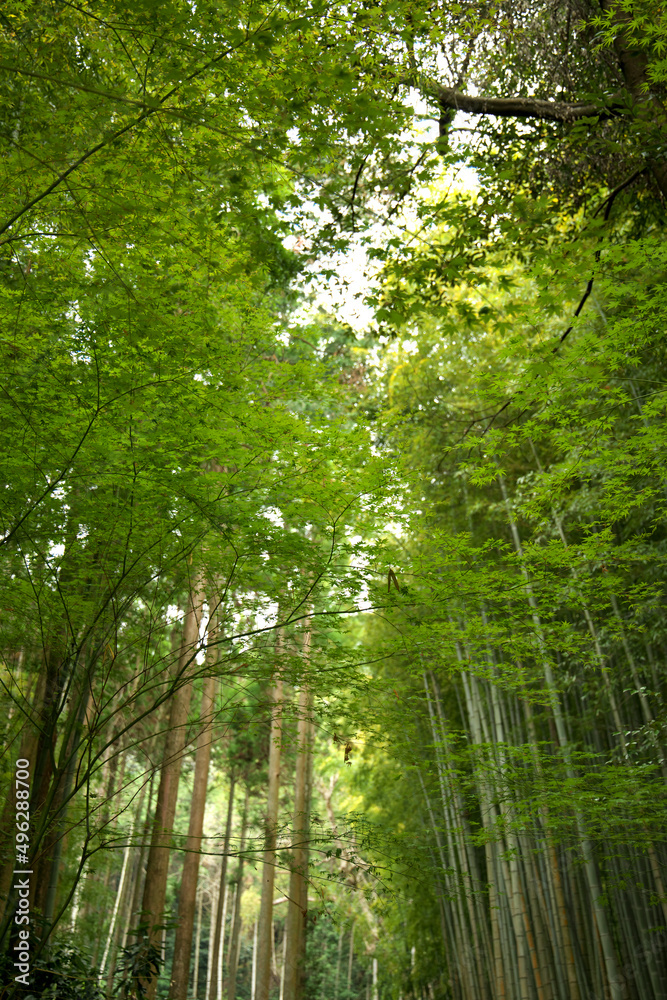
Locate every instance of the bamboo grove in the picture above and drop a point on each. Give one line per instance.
(333, 653)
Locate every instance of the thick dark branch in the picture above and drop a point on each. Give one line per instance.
(518, 107)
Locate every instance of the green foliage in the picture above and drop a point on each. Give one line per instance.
(139, 962)
(491, 483)
(66, 974)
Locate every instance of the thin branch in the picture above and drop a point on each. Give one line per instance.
(607, 205)
(354, 189)
(152, 110)
(609, 200)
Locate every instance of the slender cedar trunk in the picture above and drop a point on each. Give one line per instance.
(155, 887)
(138, 885)
(195, 971)
(297, 903)
(253, 980)
(339, 959)
(230, 897)
(235, 942)
(350, 959)
(135, 879)
(111, 776)
(304, 881)
(265, 928)
(274, 958)
(123, 890)
(219, 931)
(115, 780)
(180, 970)
(282, 966)
(114, 923)
(590, 866)
(216, 904)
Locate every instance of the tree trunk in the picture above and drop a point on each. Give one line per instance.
(253, 980)
(138, 885)
(235, 942)
(339, 958)
(195, 976)
(115, 925)
(216, 904)
(213, 990)
(265, 928)
(180, 970)
(155, 888)
(230, 897)
(297, 903)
